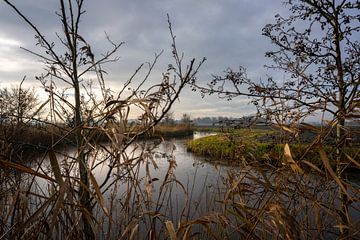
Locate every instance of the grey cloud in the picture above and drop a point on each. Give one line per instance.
(227, 33)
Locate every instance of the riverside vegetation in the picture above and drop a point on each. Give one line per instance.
(125, 187)
(265, 146)
(28, 141)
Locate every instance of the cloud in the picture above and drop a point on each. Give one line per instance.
(227, 33)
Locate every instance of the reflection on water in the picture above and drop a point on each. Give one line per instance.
(191, 190)
(192, 173)
(173, 184)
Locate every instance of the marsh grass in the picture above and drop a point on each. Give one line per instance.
(220, 147)
(29, 141)
(170, 131)
(145, 200)
(290, 191)
(110, 190)
(264, 146)
(141, 202)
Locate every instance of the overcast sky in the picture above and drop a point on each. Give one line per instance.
(226, 32)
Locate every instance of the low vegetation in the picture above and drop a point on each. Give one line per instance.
(263, 146)
(176, 130)
(28, 141)
(92, 190)
(218, 146)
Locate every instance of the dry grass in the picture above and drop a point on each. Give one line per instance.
(112, 188)
(249, 203)
(177, 130)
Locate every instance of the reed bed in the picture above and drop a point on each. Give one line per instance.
(139, 202)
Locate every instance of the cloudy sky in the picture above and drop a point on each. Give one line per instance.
(226, 32)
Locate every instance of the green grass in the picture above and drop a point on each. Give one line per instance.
(218, 146)
(235, 145)
(259, 146)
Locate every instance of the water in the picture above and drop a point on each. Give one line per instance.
(189, 190)
(150, 194)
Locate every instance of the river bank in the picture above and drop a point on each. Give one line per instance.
(24, 142)
(168, 184)
(266, 146)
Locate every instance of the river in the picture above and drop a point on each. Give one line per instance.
(149, 194)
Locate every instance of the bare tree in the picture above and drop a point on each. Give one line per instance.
(5, 105)
(186, 119)
(322, 68)
(18, 104)
(318, 49)
(91, 114)
(169, 118)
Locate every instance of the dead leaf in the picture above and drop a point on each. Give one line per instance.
(294, 166)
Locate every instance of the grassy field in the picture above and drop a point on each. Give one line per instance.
(262, 146)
